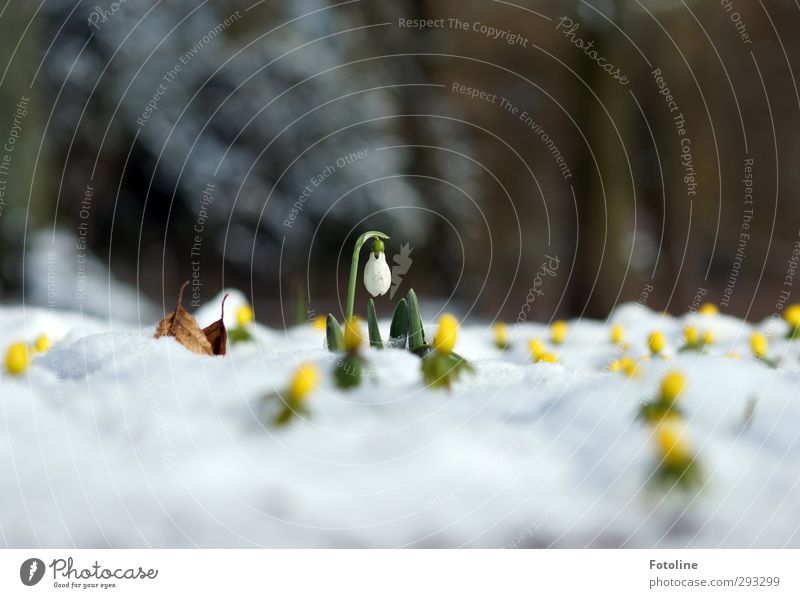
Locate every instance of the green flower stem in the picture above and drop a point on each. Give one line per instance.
(351, 291)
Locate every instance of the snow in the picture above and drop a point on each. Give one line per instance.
(116, 439)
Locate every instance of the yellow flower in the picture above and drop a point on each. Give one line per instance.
(501, 335)
(558, 332)
(733, 355)
(17, 358)
(708, 337)
(445, 338)
(629, 367)
(672, 443)
(691, 335)
(548, 358)
(758, 342)
(708, 309)
(244, 315)
(615, 365)
(537, 348)
(319, 323)
(304, 381)
(672, 386)
(41, 344)
(617, 333)
(792, 315)
(352, 335)
(656, 342)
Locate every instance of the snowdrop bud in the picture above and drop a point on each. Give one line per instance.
(558, 332)
(656, 342)
(377, 275)
(708, 309)
(41, 344)
(672, 443)
(17, 358)
(672, 386)
(445, 338)
(244, 315)
(758, 342)
(352, 335)
(303, 382)
(617, 333)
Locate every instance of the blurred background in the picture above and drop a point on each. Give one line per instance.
(563, 155)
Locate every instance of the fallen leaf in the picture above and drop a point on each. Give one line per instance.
(181, 325)
(216, 334)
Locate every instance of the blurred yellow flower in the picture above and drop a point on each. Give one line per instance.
(537, 348)
(319, 323)
(629, 367)
(558, 332)
(501, 335)
(691, 334)
(352, 335)
(672, 443)
(708, 337)
(617, 333)
(304, 381)
(244, 315)
(758, 342)
(548, 358)
(446, 335)
(708, 309)
(615, 365)
(17, 358)
(41, 344)
(656, 342)
(672, 386)
(792, 315)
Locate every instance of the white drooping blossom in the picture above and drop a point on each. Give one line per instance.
(377, 275)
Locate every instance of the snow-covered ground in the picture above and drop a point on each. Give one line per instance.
(116, 439)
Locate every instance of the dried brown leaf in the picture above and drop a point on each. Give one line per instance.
(216, 334)
(181, 325)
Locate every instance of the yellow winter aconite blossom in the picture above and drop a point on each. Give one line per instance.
(446, 335)
(558, 332)
(673, 444)
(319, 323)
(352, 335)
(17, 358)
(692, 336)
(615, 365)
(501, 335)
(672, 386)
(758, 342)
(548, 358)
(617, 333)
(708, 309)
(656, 342)
(244, 315)
(792, 315)
(41, 344)
(537, 348)
(708, 337)
(629, 367)
(304, 381)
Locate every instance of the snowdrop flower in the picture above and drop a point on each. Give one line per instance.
(41, 344)
(17, 358)
(656, 342)
(558, 332)
(303, 382)
(377, 274)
